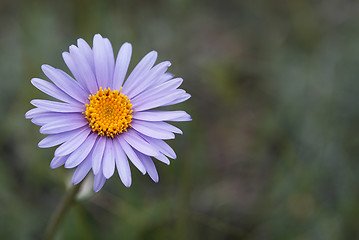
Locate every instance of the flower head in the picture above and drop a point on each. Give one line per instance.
(104, 120)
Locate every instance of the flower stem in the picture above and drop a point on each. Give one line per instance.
(60, 212)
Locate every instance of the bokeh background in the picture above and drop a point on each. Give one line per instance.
(271, 153)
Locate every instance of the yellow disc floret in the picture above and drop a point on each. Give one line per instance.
(109, 112)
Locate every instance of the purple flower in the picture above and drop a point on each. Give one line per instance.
(103, 120)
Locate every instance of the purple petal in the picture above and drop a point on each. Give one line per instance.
(98, 182)
(182, 98)
(137, 142)
(84, 69)
(131, 155)
(104, 61)
(122, 63)
(80, 153)
(48, 117)
(139, 126)
(34, 112)
(66, 83)
(86, 51)
(161, 115)
(140, 71)
(108, 165)
(152, 75)
(157, 91)
(81, 171)
(149, 165)
(56, 139)
(73, 143)
(122, 164)
(74, 70)
(56, 106)
(164, 78)
(97, 156)
(53, 91)
(58, 161)
(62, 125)
(162, 146)
(155, 101)
(163, 159)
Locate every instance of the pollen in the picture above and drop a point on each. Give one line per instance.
(109, 113)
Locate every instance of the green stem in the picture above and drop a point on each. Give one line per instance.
(60, 212)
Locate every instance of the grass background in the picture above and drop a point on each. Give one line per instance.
(271, 153)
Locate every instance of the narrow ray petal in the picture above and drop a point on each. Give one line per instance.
(131, 155)
(99, 181)
(82, 170)
(122, 63)
(149, 165)
(78, 155)
(97, 156)
(53, 91)
(108, 164)
(72, 144)
(122, 164)
(104, 60)
(57, 139)
(137, 142)
(140, 71)
(58, 161)
(153, 74)
(162, 146)
(56, 106)
(61, 125)
(155, 115)
(151, 132)
(66, 83)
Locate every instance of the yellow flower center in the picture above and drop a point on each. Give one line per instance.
(109, 112)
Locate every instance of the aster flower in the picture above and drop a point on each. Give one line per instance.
(104, 120)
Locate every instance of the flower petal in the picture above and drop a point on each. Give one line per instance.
(140, 71)
(56, 106)
(62, 125)
(137, 142)
(161, 115)
(154, 132)
(149, 165)
(82, 170)
(99, 181)
(108, 165)
(48, 117)
(153, 74)
(104, 61)
(78, 155)
(58, 161)
(97, 156)
(66, 83)
(155, 101)
(162, 146)
(56, 139)
(122, 164)
(180, 99)
(73, 143)
(157, 91)
(34, 112)
(131, 155)
(53, 91)
(84, 69)
(74, 70)
(122, 63)
(86, 51)
(161, 157)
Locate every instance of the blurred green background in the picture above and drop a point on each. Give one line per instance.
(271, 153)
